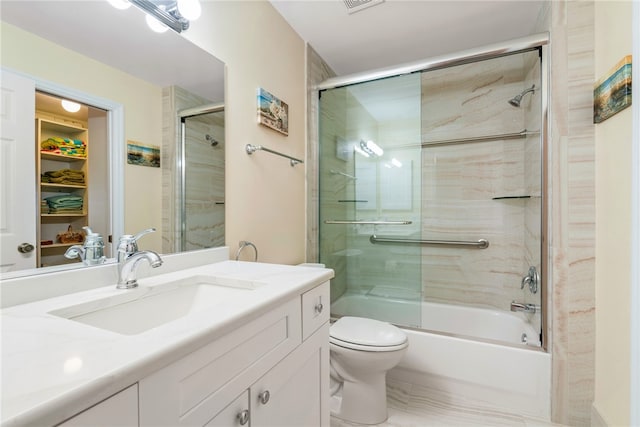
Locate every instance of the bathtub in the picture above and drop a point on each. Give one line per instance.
(476, 358)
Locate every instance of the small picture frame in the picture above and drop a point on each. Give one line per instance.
(143, 154)
(612, 93)
(273, 112)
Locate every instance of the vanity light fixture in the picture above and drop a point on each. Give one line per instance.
(120, 4)
(190, 9)
(371, 148)
(174, 14)
(70, 106)
(360, 151)
(155, 24)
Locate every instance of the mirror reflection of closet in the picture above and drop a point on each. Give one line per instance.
(72, 176)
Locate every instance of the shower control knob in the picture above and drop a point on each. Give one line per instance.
(264, 397)
(243, 417)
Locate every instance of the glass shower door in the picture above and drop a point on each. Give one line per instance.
(370, 191)
(203, 216)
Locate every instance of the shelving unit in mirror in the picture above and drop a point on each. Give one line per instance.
(63, 175)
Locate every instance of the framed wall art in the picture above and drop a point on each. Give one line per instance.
(612, 93)
(273, 112)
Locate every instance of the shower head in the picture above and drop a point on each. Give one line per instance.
(515, 101)
(213, 141)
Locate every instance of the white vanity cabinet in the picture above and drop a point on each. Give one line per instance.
(120, 410)
(264, 373)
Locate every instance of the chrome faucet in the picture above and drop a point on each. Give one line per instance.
(527, 308)
(127, 272)
(91, 252)
(128, 244)
(532, 279)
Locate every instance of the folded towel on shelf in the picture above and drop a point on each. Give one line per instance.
(64, 176)
(64, 146)
(64, 203)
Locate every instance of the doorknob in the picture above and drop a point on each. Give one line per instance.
(25, 248)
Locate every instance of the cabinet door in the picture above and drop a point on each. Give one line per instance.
(236, 414)
(192, 390)
(119, 410)
(295, 392)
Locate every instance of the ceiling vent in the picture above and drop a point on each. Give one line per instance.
(354, 6)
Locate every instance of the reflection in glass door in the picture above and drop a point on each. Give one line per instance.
(369, 191)
(203, 147)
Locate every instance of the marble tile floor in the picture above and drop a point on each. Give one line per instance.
(416, 406)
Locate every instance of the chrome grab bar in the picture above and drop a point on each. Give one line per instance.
(365, 222)
(480, 244)
(253, 148)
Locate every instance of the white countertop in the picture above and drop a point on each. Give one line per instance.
(53, 367)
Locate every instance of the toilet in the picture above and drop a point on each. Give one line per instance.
(361, 352)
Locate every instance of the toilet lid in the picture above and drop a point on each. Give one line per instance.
(368, 332)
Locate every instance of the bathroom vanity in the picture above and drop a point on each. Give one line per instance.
(222, 344)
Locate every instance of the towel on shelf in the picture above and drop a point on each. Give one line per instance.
(64, 176)
(65, 203)
(64, 146)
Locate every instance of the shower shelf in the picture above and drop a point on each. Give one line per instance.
(510, 197)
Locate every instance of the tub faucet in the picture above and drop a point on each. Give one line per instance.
(127, 272)
(526, 308)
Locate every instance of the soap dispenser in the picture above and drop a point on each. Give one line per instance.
(94, 248)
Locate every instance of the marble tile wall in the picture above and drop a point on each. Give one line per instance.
(572, 184)
(317, 72)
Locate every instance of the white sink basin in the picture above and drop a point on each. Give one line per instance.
(143, 308)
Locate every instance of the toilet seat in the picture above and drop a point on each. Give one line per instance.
(362, 334)
(369, 348)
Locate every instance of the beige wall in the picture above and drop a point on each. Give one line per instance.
(141, 101)
(265, 200)
(613, 225)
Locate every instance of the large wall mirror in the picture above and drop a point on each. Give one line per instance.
(129, 81)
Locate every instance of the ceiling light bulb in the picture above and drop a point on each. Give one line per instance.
(70, 106)
(156, 25)
(120, 4)
(190, 9)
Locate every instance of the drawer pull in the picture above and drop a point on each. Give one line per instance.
(243, 417)
(319, 308)
(264, 397)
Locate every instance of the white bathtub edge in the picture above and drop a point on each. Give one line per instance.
(493, 376)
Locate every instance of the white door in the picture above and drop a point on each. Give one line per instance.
(17, 173)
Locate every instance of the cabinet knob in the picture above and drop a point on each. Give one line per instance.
(25, 248)
(243, 417)
(319, 308)
(264, 397)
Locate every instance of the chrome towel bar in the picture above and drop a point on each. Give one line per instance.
(480, 244)
(364, 222)
(253, 148)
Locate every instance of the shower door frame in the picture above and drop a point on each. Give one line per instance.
(537, 41)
